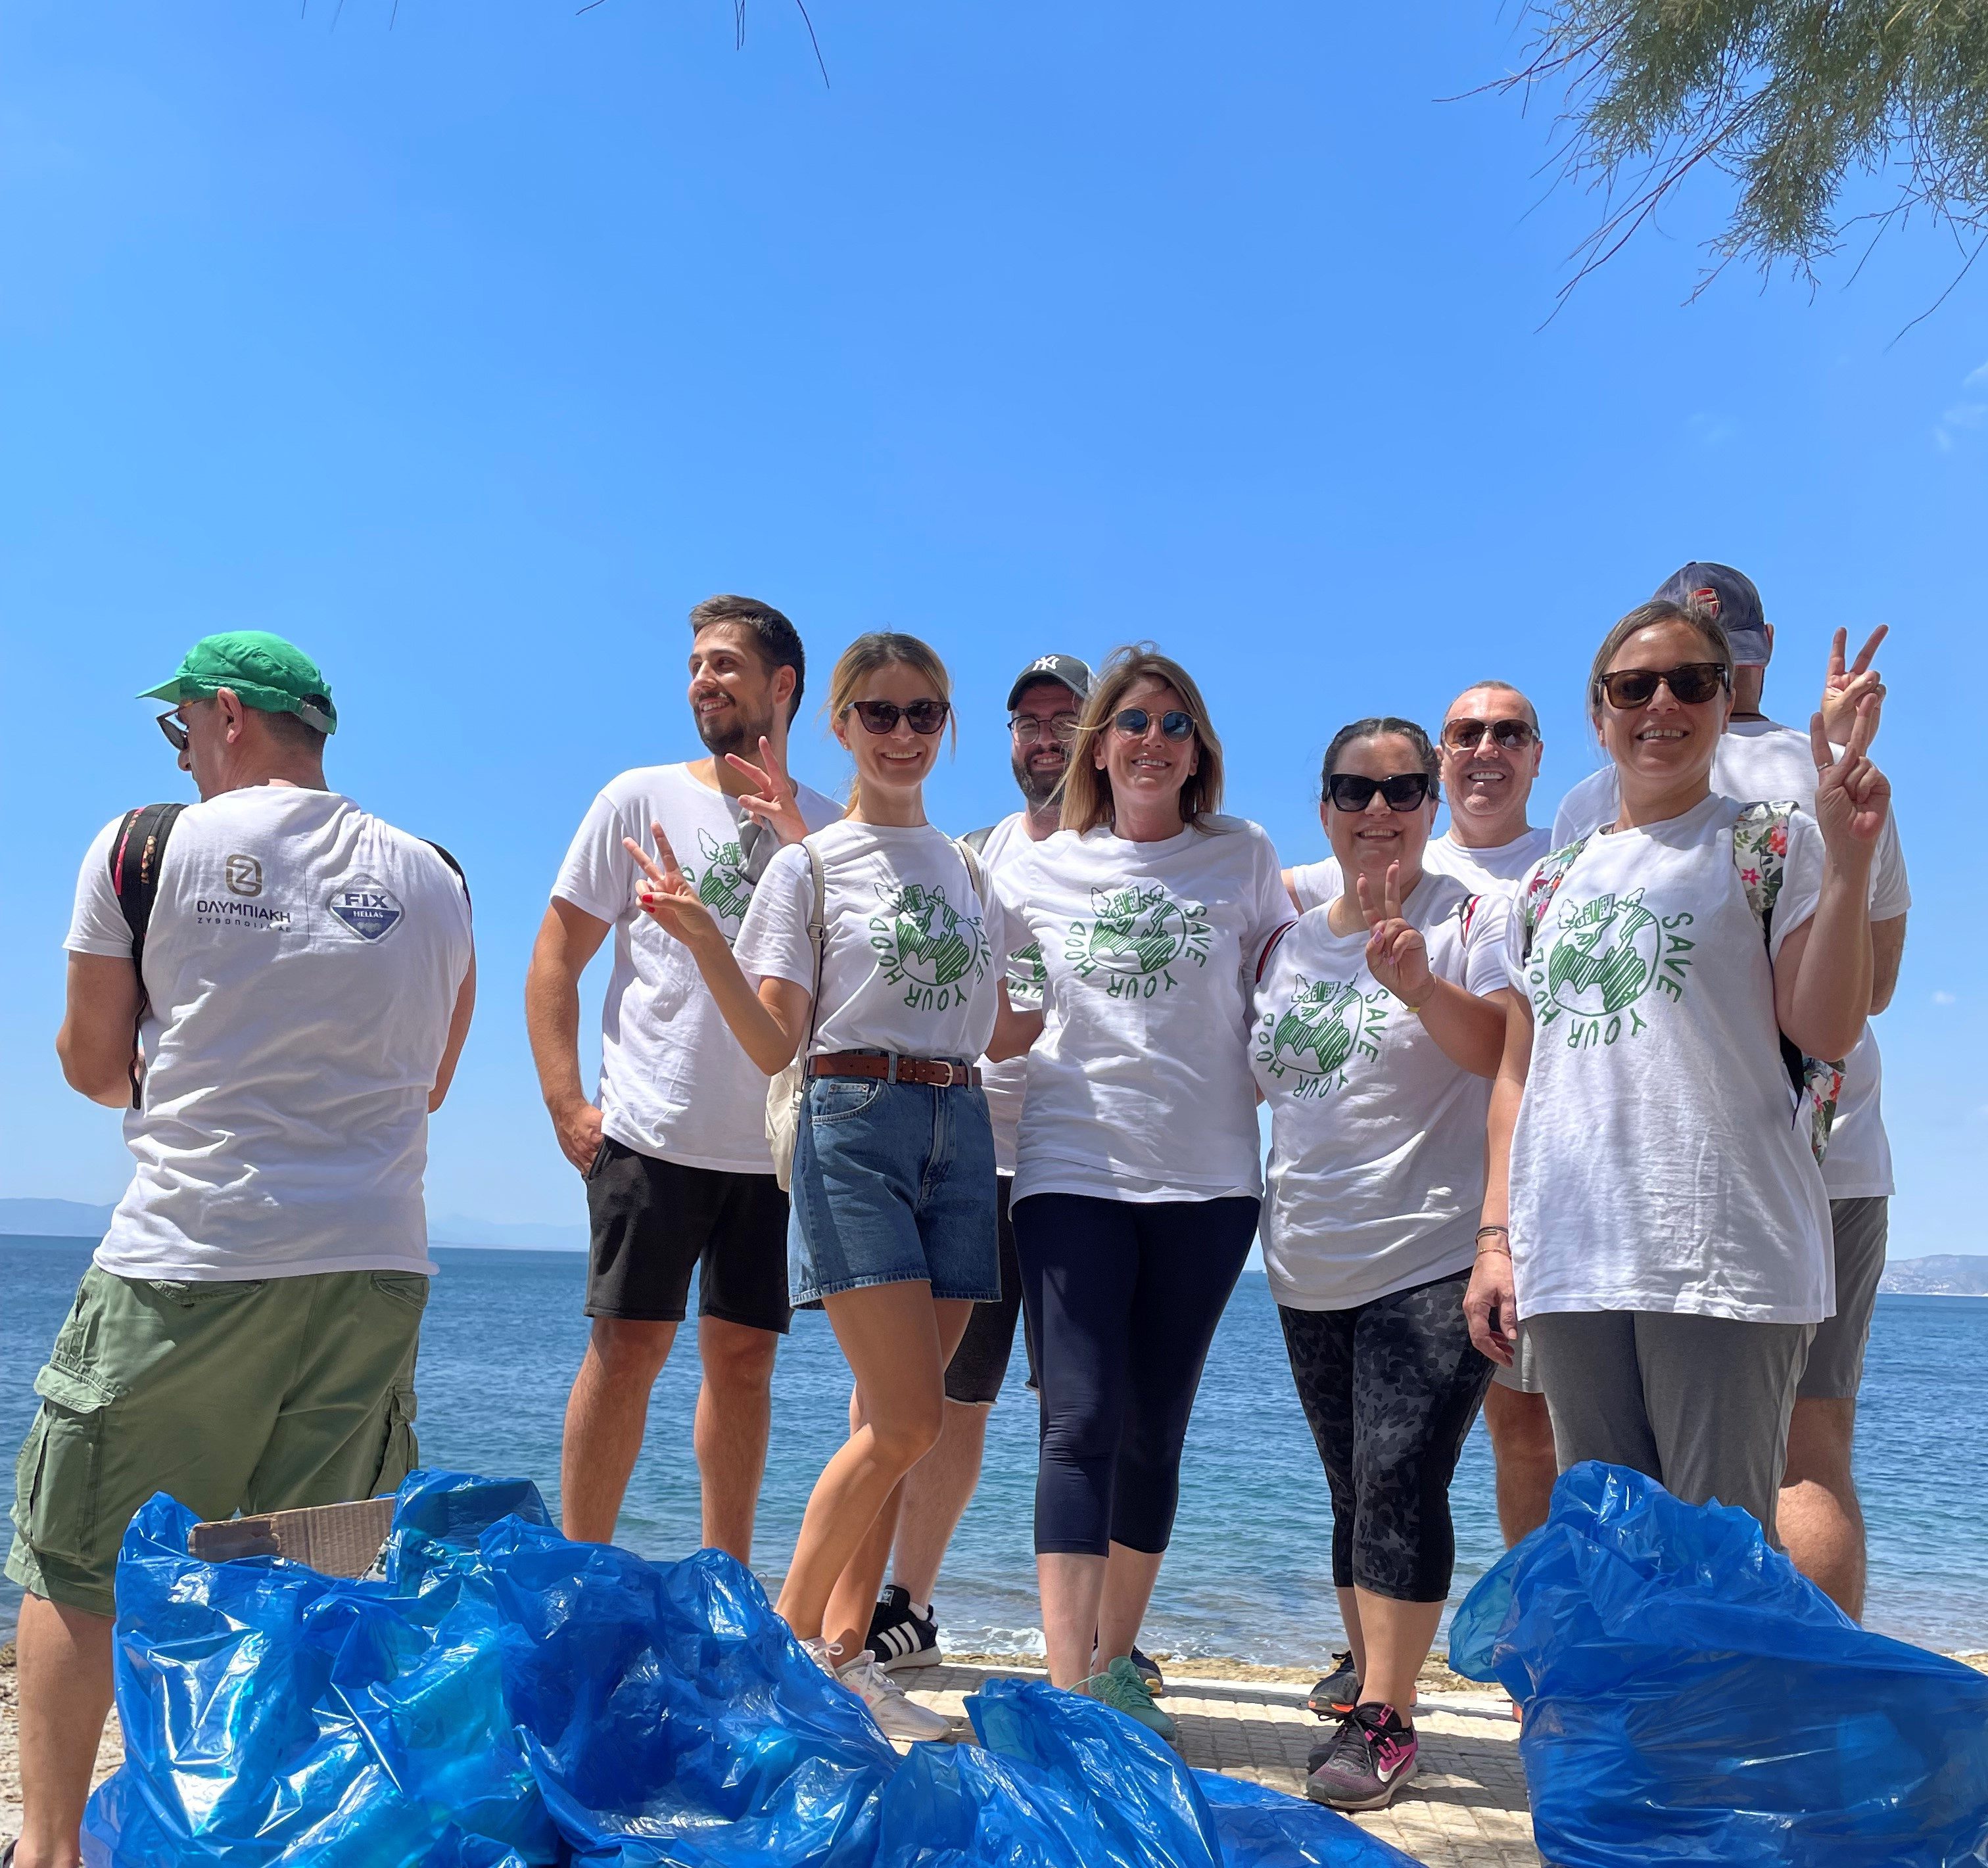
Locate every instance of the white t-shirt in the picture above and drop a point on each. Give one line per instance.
(1003, 1081)
(1656, 1164)
(1494, 871)
(908, 964)
(1139, 1087)
(1377, 1138)
(1758, 761)
(674, 1083)
(302, 963)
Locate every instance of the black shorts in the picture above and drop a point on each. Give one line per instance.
(654, 1222)
(980, 1364)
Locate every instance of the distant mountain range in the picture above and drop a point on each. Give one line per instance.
(73, 1219)
(1943, 1276)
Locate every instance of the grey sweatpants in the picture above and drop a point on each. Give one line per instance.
(1700, 1403)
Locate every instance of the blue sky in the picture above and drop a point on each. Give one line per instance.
(471, 353)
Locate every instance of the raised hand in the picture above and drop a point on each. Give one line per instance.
(774, 803)
(1397, 955)
(1844, 688)
(1852, 797)
(668, 899)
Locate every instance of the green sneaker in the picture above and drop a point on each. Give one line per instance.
(1120, 1687)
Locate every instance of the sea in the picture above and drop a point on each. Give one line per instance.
(1249, 1575)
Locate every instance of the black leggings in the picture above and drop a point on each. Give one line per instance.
(1123, 1297)
(1391, 1388)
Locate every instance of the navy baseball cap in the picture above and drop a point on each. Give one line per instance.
(1073, 674)
(1729, 595)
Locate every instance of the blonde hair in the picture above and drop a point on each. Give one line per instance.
(1086, 790)
(868, 655)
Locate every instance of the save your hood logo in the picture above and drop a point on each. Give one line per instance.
(923, 941)
(1603, 957)
(1140, 934)
(721, 884)
(1327, 1023)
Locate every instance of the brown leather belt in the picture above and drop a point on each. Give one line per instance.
(937, 1072)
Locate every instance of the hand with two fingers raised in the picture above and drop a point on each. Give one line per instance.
(1844, 688)
(669, 900)
(774, 803)
(1397, 955)
(1852, 797)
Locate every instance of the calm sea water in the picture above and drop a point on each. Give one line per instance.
(1248, 1575)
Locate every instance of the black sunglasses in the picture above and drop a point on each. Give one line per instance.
(175, 732)
(1405, 792)
(1468, 736)
(1133, 722)
(882, 716)
(1690, 683)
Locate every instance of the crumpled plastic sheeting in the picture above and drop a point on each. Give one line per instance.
(1689, 1697)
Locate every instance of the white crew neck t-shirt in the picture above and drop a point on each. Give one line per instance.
(909, 964)
(1494, 871)
(1003, 1082)
(674, 1083)
(1758, 762)
(1656, 1163)
(1377, 1139)
(302, 963)
(1139, 1087)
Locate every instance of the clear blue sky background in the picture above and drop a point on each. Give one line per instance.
(471, 353)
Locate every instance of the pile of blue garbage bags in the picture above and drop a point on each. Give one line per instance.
(504, 1698)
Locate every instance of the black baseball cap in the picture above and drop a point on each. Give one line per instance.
(1073, 674)
(1729, 595)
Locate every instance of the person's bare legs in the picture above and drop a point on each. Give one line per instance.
(735, 1413)
(1522, 1443)
(63, 1655)
(606, 1415)
(1356, 1640)
(937, 1491)
(1129, 1577)
(1394, 1641)
(1819, 1517)
(1072, 1583)
(897, 1339)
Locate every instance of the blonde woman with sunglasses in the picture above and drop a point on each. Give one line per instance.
(1654, 1210)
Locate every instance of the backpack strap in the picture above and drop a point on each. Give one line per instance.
(976, 840)
(1541, 887)
(969, 854)
(1466, 915)
(817, 936)
(453, 864)
(1270, 947)
(137, 852)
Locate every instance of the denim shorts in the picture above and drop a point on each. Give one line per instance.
(892, 1182)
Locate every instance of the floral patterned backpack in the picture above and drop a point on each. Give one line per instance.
(1760, 851)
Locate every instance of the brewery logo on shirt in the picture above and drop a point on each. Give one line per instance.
(722, 885)
(924, 943)
(243, 875)
(367, 907)
(1140, 935)
(1603, 957)
(1327, 1023)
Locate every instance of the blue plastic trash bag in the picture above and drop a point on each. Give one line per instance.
(275, 1716)
(1264, 1829)
(1690, 1698)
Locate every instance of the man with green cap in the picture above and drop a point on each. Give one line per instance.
(274, 986)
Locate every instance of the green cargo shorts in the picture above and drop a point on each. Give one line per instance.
(250, 1397)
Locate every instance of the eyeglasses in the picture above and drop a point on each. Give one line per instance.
(1406, 791)
(1133, 722)
(1029, 727)
(174, 730)
(1468, 736)
(924, 717)
(1690, 683)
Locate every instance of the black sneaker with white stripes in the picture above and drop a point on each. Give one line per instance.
(899, 1636)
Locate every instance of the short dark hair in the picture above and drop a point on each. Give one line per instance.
(1509, 687)
(779, 642)
(300, 735)
(1378, 726)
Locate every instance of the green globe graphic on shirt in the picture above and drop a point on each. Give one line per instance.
(721, 884)
(1317, 1031)
(1603, 957)
(1136, 936)
(920, 938)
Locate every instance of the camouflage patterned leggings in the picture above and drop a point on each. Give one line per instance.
(1390, 1388)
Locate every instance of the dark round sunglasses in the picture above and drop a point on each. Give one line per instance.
(1405, 792)
(882, 716)
(1133, 722)
(1468, 736)
(1691, 683)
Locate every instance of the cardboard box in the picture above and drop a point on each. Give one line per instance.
(336, 1540)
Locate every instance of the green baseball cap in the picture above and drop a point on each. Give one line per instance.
(265, 672)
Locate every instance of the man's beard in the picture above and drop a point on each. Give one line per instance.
(730, 731)
(1038, 788)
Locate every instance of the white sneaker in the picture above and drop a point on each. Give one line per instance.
(897, 1717)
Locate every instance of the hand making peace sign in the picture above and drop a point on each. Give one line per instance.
(1844, 688)
(774, 805)
(674, 906)
(1397, 955)
(1852, 797)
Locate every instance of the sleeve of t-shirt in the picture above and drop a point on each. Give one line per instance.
(97, 925)
(1801, 881)
(1486, 966)
(1891, 895)
(1315, 883)
(773, 942)
(1269, 906)
(598, 876)
(1591, 802)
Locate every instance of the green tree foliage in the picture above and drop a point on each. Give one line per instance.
(1792, 99)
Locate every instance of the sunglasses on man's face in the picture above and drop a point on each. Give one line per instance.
(1468, 736)
(1131, 722)
(1691, 683)
(175, 729)
(1405, 791)
(925, 717)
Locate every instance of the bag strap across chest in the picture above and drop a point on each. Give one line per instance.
(137, 853)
